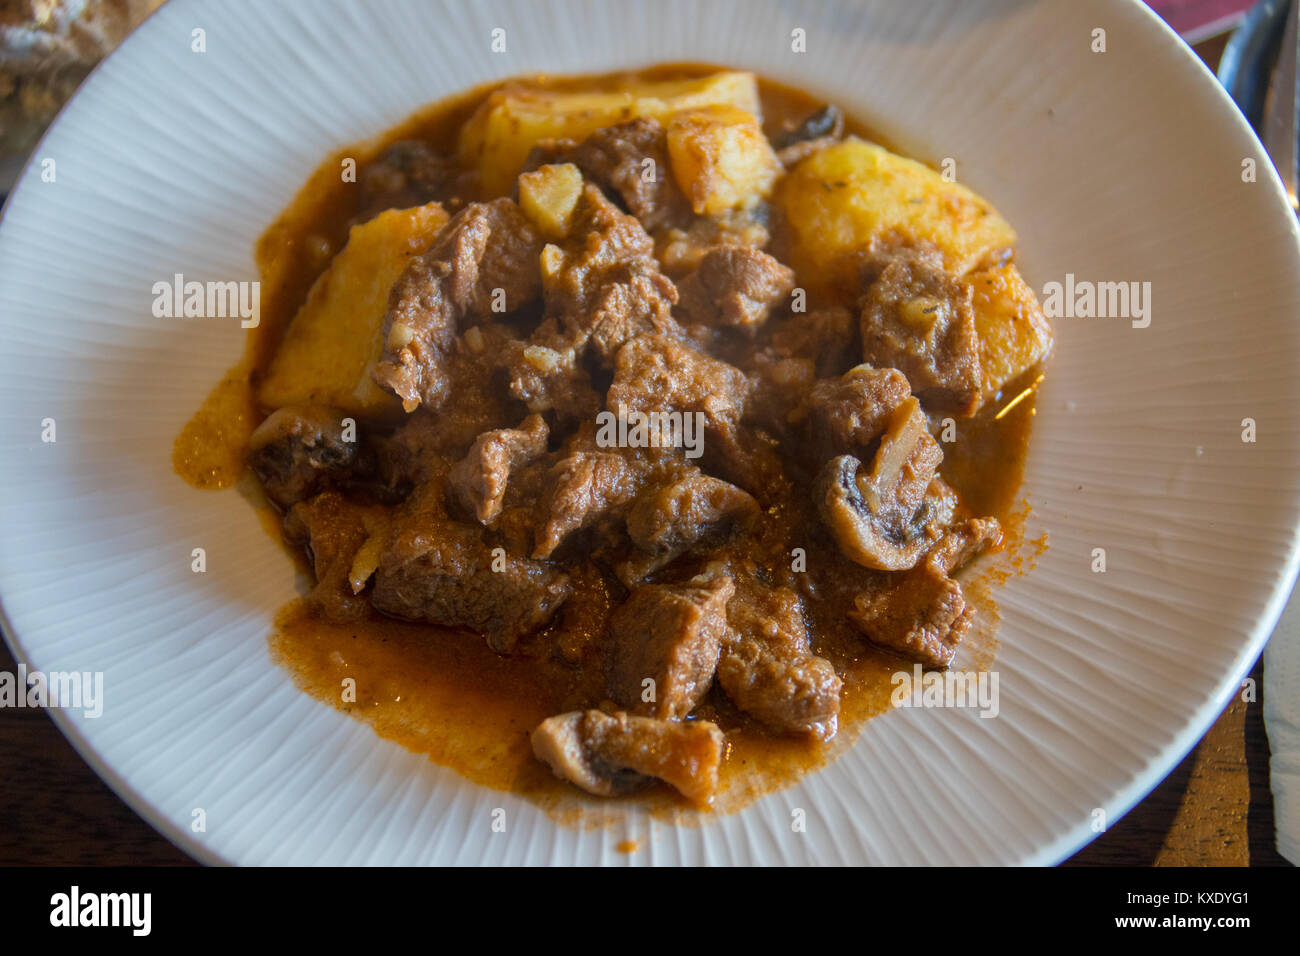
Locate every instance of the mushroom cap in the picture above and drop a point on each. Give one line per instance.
(878, 541)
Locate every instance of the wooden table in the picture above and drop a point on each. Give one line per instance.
(1214, 809)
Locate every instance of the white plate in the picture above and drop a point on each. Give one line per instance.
(1122, 165)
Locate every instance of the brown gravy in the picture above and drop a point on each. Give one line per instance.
(443, 692)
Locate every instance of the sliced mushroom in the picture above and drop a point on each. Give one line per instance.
(561, 743)
(817, 131)
(611, 754)
(887, 519)
(298, 450)
(827, 121)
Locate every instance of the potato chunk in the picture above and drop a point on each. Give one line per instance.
(548, 196)
(1014, 333)
(498, 137)
(336, 338)
(721, 159)
(839, 199)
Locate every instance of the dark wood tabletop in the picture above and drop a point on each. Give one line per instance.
(1214, 809)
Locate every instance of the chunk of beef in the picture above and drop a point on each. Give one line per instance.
(487, 254)
(828, 337)
(919, 318)
(525, 492)
(887, 519)
(491, 250)
(340, 537)
(767, 666)
(656, 372)
(962, 543)
(478, 481)
(604, 287)
(923, 613)
(592, 486)
(299, 451)
(631, 160)
(549, 379)
(669, 635)
(408, 173)
(612, 754)
(396, 467)
(846, 415)
(692, 511)
(753, 462)
(426, 436)
(656, 375)
(781, 391)
(735, 287)
(441, 571)
(545, 373)
(924, 617)
(549, 152)
(681, 248)
(582, 488)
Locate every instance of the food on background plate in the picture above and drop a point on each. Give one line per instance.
(47, 47)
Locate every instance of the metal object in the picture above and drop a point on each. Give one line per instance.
(1281, 107)
(1259, 71)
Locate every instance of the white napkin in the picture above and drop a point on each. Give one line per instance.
(1282, 721)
